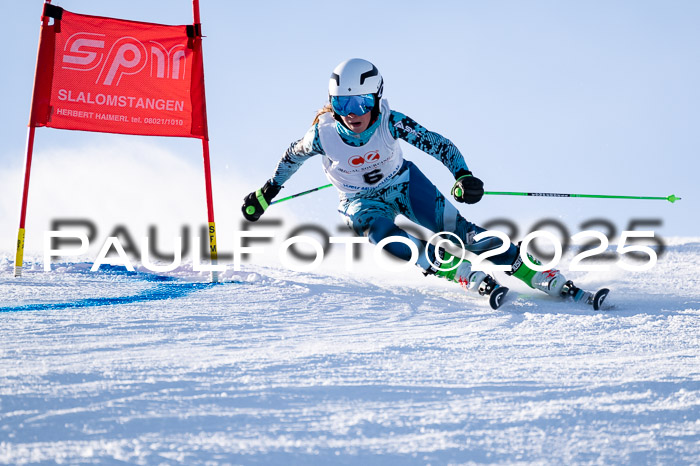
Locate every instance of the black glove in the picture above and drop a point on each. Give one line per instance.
(468, 188)
(257, 202)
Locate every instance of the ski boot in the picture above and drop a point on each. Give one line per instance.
(472, 281)
(550, 281)
(555, 284)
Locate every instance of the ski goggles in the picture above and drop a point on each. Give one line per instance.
(344, 105)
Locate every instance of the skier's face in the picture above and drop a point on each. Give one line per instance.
(357, 123)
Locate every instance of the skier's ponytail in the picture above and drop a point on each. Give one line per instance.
(326, 109)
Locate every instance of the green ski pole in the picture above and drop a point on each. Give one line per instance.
(300, 194)
(672, 198)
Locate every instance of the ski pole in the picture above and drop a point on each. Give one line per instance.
(672, 198)
(300, 194)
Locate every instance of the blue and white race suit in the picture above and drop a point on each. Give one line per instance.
(376, 183)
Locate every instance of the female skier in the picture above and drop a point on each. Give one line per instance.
(357, 135)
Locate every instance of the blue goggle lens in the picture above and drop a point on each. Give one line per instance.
(344, 105)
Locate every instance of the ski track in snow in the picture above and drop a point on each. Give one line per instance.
(279, 367)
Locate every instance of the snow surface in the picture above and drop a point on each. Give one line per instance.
(282, 367)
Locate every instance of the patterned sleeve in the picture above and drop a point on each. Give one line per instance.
(297, 153)
(429, 142)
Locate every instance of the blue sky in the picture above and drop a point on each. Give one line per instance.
(584, 97)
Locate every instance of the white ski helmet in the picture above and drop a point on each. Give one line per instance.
(356, 77)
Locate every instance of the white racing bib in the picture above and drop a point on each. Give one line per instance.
(353, 169)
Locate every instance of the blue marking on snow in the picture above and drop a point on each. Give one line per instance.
(159, 292)
(119, 270)
(165, 288)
